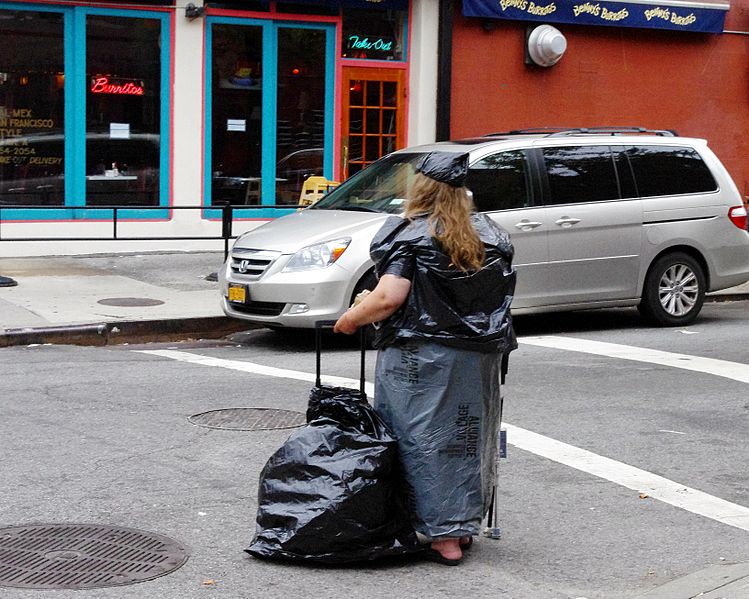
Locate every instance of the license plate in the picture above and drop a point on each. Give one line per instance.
(237, 294)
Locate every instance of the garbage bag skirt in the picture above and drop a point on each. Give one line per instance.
(442, 404)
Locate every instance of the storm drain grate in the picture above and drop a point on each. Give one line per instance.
(84, 556)
(249, 419)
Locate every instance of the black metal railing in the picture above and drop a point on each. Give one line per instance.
(227, 222)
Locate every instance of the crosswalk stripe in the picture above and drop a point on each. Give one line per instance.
(642, 481)
(723, 368)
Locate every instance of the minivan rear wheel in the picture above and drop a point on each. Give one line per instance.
(674, 290)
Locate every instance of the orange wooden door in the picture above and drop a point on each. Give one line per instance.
(373, 122)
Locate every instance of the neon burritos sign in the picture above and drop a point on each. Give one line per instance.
(122, 87)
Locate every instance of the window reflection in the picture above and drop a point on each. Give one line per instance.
(500, 182)
(301, 110)
(32, 149)
(237, 114)
(670, 170)
(123, 108)
(580, 174)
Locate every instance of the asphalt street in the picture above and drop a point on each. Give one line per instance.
(597, 405)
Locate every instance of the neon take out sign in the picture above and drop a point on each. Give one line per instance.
(122, 87)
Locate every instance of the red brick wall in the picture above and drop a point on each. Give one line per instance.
(697, 84)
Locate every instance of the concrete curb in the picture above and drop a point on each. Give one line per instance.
(173, 329)
(726, 297)
(134, 331)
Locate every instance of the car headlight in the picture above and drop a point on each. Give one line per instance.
(320, 255)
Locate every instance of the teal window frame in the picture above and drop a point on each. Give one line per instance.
(269, 97)
(74, 64)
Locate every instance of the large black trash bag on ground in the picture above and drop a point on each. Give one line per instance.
(329, 494)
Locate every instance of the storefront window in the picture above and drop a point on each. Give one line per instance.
(123, 103)
(32, 108)
(300, 127)
(75, 133)
(373, 34)
(237, 114)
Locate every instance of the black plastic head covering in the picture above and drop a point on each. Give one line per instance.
(446, 167)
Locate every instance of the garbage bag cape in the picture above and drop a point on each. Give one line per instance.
(466, 310)
(329, 494)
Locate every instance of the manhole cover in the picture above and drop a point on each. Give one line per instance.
(130, 302)
(249, 419)
(84, 556)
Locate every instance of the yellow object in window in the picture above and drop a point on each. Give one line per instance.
(314, 188)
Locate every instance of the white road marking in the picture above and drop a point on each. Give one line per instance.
(730, 370)
(630, 477)
(638, 480)
(258, 369)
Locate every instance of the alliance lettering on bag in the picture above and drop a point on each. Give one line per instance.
(408, 371)
(468, 431)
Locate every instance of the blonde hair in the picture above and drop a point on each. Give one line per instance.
(449, 215)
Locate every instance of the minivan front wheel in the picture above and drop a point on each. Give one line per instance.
(674, 290)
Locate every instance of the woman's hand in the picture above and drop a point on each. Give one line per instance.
(385, 299)
(345, 325)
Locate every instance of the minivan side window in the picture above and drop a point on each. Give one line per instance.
(669, 170)
(580, 174)
(500, 182)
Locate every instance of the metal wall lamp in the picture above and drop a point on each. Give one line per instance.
(193, 12)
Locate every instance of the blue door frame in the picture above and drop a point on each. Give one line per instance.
(74, 44)
(269, 110)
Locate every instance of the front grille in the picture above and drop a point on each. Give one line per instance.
(251, 264)
(259, 308)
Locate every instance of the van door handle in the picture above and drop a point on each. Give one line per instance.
(566, 221)
(527, 225)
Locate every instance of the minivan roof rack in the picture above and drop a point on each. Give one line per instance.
(560, 131)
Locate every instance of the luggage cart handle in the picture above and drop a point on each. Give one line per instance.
(328, 324)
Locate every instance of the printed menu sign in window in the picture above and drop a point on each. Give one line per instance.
(18, 127)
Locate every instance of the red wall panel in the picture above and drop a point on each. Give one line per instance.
(697, 84)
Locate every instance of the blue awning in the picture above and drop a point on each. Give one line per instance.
(706, 16)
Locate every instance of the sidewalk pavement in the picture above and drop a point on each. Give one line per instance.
(134, 297)
(112, 298)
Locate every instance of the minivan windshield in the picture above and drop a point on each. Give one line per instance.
(381, 187)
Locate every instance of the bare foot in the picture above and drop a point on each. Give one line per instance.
(448, 548)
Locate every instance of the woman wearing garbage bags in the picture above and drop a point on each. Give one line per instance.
(443, 306)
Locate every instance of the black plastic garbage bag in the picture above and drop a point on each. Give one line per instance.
(329, 494)
(466, 310)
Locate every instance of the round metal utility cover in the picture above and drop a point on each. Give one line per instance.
(84, 556)
(130, 302)
(249, 419)
(546, 45)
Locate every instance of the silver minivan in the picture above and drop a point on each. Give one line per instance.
(598, 218)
